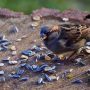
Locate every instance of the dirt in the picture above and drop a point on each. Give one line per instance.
(24, 25)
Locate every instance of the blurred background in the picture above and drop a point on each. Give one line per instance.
(27, 6)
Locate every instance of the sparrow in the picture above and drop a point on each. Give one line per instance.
(65, 37)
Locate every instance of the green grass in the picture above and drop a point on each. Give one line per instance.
(28, 6)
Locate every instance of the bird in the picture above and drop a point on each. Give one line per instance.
(65, 37)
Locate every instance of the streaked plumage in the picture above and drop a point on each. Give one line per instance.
(67, 37)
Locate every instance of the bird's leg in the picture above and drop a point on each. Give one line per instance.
(72, 57)
(81, 47)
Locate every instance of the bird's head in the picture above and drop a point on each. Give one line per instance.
(44, 32)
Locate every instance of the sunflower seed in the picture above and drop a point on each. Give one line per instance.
(12, 48)
(1, 72)
(65, 19)
(1, 64)
(24, 79)
(12, 62)
(24, 57)
(34, 24)
(14, 53)
(36, 18)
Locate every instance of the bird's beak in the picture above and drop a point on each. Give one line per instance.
(43, 36)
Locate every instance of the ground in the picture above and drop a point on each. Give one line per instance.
(24, 25)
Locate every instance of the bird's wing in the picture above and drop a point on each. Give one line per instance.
(74, 32)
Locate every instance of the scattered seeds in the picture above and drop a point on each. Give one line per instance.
(48, 78)
(1, 64)
(24, 57)
(24, 36)
(49, 68)
(36, 67)
(12, 48)
(54, 77)
(1, 72)
(40, 81)
(22, 65)
(34, 24)
(70, 70)
(77, 81)
(12, 62)
(36, 18)
(24, 79)
(87, 49)
(13, 72)
(47, 58)
(6, 59)
(18, 40)
(13, 53)
(20, 72)
(62, 57)
(15, 76)
(65, 19)
(28, 53)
